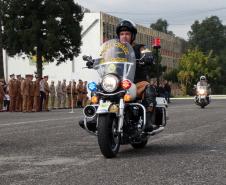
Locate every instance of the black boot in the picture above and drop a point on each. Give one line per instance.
(149, 96)
(149, 122)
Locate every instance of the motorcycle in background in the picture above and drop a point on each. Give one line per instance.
(202, 98)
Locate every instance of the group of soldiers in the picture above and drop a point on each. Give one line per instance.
(75, 93)
(28, 95)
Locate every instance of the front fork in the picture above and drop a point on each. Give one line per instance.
(121, 115)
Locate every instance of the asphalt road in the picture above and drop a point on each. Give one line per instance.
(50, 148)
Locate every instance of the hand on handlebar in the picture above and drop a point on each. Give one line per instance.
(89, 62)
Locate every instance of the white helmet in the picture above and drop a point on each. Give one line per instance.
(202, 78)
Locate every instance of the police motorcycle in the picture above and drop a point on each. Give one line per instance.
(116, 116)
(202, 98)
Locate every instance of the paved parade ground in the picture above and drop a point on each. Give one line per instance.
(50, 148)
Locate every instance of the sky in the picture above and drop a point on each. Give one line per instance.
(180, 14)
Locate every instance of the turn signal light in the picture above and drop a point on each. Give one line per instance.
(127, 98)
(126, 84)
(94, 99)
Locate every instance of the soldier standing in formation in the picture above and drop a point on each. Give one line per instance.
(80, 93)
(64, 93)
(31, 93)
(12, 93)
(25, 93)
(69, 94)
(59, 94)
(37, 94)
(75, 94)
(52, 91)
(46, 88)
(2, 94)
(19, 97)
(42, 94)
(84, 92)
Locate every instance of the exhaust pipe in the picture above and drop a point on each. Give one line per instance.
(158, 130)
(90, 111)
(89, 122)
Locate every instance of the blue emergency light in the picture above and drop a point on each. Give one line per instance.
(92, 86)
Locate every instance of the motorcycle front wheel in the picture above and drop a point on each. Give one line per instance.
(108, 137)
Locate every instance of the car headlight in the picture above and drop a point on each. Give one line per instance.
(110, 83)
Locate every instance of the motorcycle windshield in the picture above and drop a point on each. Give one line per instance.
(116, 58)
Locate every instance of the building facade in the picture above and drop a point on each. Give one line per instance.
(172, 47)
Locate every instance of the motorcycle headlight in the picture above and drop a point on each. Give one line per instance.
(110, 83)
(201, 91)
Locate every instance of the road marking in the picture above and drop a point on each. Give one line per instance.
(39, 121)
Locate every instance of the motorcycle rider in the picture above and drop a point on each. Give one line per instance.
(203, 82)
(126, 32)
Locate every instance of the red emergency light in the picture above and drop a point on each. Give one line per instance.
(157, 43)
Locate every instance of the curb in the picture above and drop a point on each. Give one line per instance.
(213, 97)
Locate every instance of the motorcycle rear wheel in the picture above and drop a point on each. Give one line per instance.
(108, 138)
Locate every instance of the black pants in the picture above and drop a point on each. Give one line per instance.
(42, 98)
(6, 104)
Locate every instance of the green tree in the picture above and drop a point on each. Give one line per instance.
(208, 35)
(161, 25)
(49, 29)
(172, 75)
(195, 63)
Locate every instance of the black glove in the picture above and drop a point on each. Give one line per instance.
(89, 64)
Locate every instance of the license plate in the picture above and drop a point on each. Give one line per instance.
(103, 107)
